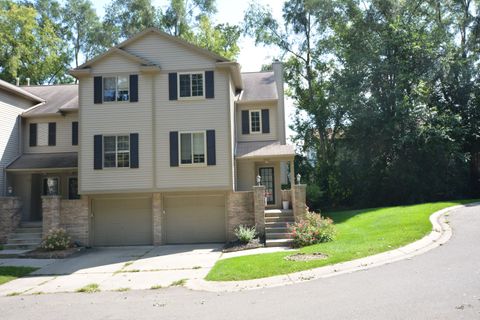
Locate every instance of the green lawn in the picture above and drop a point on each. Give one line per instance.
(361, 233)
(11, 273)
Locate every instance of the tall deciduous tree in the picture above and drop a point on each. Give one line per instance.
(30, 46)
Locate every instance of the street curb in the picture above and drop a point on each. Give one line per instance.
(440, 234)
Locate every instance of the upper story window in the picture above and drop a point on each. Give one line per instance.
(255, 121)
(43, 134)
(116, 151)
(192, 148)
(116, 89)
(190, 85)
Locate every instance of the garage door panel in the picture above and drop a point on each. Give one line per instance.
(122, 222)
(195, 219)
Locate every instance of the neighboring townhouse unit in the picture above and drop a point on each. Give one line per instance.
(171, 141)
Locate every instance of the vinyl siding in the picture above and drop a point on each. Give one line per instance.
(245, 175)
(10, 108)
(114, 64)
(169, 55)
(63, 141)
(231, 121)
(113, 118)
(257, 136)
(193, 115)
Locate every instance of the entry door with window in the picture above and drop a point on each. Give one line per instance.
(268, 181)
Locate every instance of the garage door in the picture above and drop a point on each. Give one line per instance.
(121, 222)
(195, 219)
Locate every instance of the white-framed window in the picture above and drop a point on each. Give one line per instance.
(116, 151)
(255, 121)
(116, 88)
(192, 148)
(191, 85)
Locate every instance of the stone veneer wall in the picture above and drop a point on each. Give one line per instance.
(157, 219)
(299, 201)
(259, 208)
(10, 216)
(72, 215)
(240, 211)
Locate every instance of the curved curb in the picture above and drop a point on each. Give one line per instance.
(440, 234)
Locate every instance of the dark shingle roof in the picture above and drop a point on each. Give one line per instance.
(259, 86)
(58, 98)
(36, 161)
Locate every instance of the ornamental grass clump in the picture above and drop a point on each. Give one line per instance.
(312, 229)
(245, 234)
(56, 239)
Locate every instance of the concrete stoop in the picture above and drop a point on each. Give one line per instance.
(27, 236)
(277, 233)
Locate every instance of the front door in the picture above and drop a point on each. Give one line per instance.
(268, 181)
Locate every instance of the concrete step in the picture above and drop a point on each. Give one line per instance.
(278, 243)
(23, 241)
(29, 230)
(282, 229)
(25, 235)
(23, 246)
(278, 213)
(280, 219)
(31, 224)
(276, 224)
(279, 235)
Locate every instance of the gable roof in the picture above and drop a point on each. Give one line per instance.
(58, 99)
(259, 86)
(19, 91)
(118, 49)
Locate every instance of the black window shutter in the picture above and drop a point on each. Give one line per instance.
(133, 150)
(52, 133)
(33, 134)
(172, 86)
(133, 88)
(74, 133)
(265, 121)
(209, 85)
(211, 152)
(97, 90)
(174, 149)
(245, 122)
(97, 151)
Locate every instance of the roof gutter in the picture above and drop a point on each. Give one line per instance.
(234, 68)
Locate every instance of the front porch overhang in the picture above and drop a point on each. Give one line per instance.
(44, 162)
(264, 150)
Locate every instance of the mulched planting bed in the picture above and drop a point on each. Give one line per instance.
(60, 254)
(238, 246)
(306, 256)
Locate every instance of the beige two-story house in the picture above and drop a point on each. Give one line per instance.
(163, 143)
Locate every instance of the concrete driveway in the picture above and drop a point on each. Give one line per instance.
(119, 268)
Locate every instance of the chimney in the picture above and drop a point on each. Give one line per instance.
(277, 67)
(28, 81)
(17, 81)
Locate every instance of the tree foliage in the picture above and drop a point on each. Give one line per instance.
(386, 95)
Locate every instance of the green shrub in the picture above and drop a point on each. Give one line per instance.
(312, 229)
(245, 234)
(56, 239)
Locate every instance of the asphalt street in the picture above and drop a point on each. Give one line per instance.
(441, 284)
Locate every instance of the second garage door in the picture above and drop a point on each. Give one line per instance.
(121, 222)
(195, 219)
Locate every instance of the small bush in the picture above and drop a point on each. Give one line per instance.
(56, 239)
(312, 229)
(245, 234)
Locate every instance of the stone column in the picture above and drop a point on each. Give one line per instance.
(10, 216)
(157, 219)
(299, 201)
(51, 206)
(259, 208)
